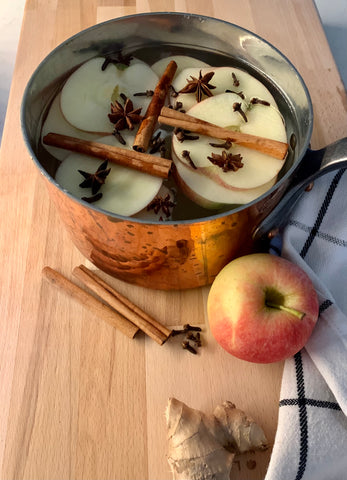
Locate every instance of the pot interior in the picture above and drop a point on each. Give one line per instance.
(154, 36)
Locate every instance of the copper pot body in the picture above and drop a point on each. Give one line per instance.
(175, 254)
(162, 256)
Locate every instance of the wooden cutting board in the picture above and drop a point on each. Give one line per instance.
(78, 399)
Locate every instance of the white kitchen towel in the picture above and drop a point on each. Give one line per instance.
(311, 438)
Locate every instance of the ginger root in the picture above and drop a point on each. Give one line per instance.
(202, 447)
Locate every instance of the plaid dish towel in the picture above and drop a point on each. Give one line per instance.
(311, 439)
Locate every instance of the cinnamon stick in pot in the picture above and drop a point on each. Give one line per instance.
(147, 126)
(151, 164)
(175, 118)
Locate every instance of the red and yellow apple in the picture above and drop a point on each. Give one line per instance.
(262, 308)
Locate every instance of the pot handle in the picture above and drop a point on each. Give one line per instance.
(314, 164)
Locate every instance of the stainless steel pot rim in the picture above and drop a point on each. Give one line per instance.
(115, 217)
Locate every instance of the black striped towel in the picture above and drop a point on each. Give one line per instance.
(311, 439)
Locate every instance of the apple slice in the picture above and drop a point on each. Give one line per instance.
(258, 169)
(183, 62)
(220, 111)
(265, 121)
(55, 122)
(206, 192)
(125, 192)
(224, 78)
(88, 92)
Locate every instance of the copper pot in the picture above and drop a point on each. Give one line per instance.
(187, 253)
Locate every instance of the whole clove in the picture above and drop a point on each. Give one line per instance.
(186, 155)
(119, 137)
(147, 93)
(195, 338)
(182, 135)
(178, 105)
(227, 144)
(240, 94)
(186, 346)
(185, 329)
(258, 101)
(191, 328)
(237, 108)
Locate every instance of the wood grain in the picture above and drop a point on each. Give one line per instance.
(78, 399)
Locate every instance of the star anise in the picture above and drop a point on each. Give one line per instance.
(227, 161)
(199, 85)
(163, 203)
(117, 58)
(95, 180)
(124, 116)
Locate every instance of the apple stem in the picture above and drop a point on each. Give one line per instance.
(292, 311)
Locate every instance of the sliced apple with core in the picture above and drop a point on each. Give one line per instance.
(258, 172)
(125, 192)
(88, 92)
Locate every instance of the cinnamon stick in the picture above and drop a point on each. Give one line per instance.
(176, 118)
(147, 126)
(148, 325)
(166, 331)
(157, 166)
(104, 312)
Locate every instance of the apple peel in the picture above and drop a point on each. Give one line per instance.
(262, 308)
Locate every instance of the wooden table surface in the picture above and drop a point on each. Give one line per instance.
(78, 399)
